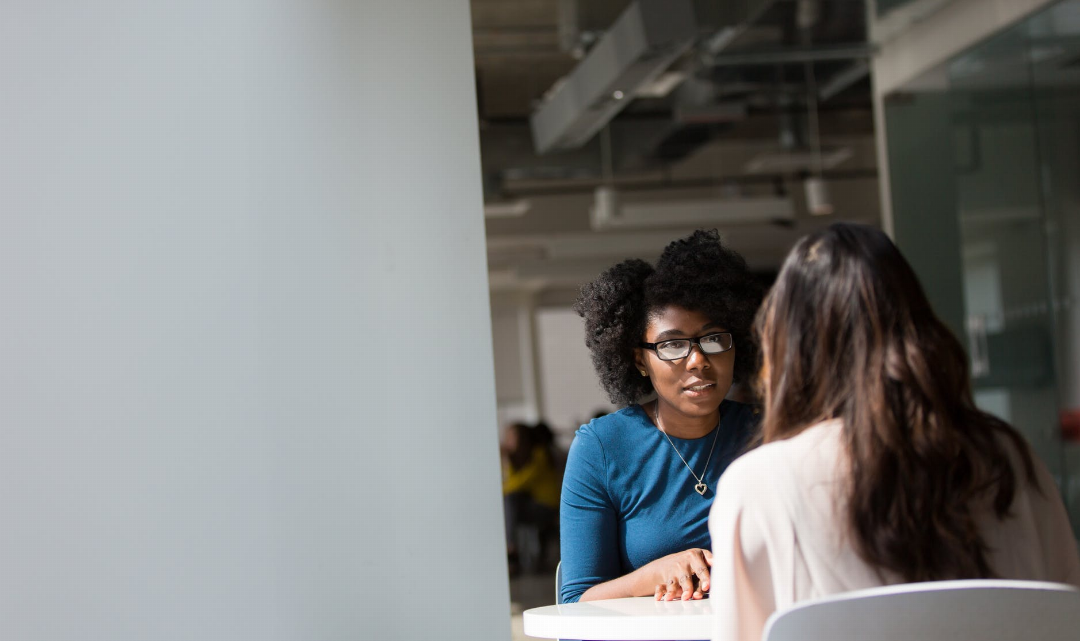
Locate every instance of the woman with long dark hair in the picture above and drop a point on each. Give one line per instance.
(876, 467)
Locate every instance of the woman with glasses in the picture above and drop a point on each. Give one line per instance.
(667, 343)
(876, 468)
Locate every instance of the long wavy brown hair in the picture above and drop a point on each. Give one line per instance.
(847, 333)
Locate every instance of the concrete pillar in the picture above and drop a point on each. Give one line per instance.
(245, 360)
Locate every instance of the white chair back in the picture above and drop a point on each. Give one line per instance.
(980, 610)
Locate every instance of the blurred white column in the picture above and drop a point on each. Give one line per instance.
(528, 347)
(246, 380)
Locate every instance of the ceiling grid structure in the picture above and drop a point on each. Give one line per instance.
(705, 130)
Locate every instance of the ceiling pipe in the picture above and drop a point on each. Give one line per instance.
(792, 56)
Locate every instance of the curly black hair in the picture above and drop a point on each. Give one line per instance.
(696, 273)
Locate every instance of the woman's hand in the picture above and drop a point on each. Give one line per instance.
(683, 575)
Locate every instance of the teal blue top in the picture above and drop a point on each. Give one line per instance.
(627, 499)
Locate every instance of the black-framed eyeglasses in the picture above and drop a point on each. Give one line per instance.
(677, 348)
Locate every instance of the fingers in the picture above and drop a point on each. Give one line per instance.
(696, 583)
(677, 591)
(677, 588)
(686, 586)
(685, 577)
(701, 574)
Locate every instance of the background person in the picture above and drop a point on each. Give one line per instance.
(877, 467)
(639, 482)
(531, 480)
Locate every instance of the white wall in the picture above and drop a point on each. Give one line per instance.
(245, 356)
(572, 391)
(547, 343)
(506, 342)
(516, 375)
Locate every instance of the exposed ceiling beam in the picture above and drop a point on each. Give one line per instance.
(642, 43)
(844, 79)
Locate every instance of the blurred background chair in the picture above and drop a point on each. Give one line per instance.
(558, 589)
(558, 583)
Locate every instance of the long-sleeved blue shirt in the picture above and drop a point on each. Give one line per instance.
(627, 499)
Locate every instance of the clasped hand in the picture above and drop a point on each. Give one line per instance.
(683, 575)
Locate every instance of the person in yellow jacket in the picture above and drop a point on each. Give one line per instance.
(531, 484)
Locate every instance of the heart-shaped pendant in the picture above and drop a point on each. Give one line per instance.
(701, 487)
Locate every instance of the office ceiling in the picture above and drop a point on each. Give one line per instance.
(733, 128)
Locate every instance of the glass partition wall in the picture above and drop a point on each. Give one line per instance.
(984, 159)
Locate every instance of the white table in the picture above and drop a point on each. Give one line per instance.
(631, 619)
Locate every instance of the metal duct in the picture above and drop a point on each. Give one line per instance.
(642, 43)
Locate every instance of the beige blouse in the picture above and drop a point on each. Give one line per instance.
(778, 536)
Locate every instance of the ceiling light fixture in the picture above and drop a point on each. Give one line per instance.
(507, 209)
(817, 191)
(610, 211)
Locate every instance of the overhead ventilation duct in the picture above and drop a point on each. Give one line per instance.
(639, 46)
(610, 212)
(582, 22)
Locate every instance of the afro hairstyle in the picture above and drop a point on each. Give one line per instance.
(697, 273)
